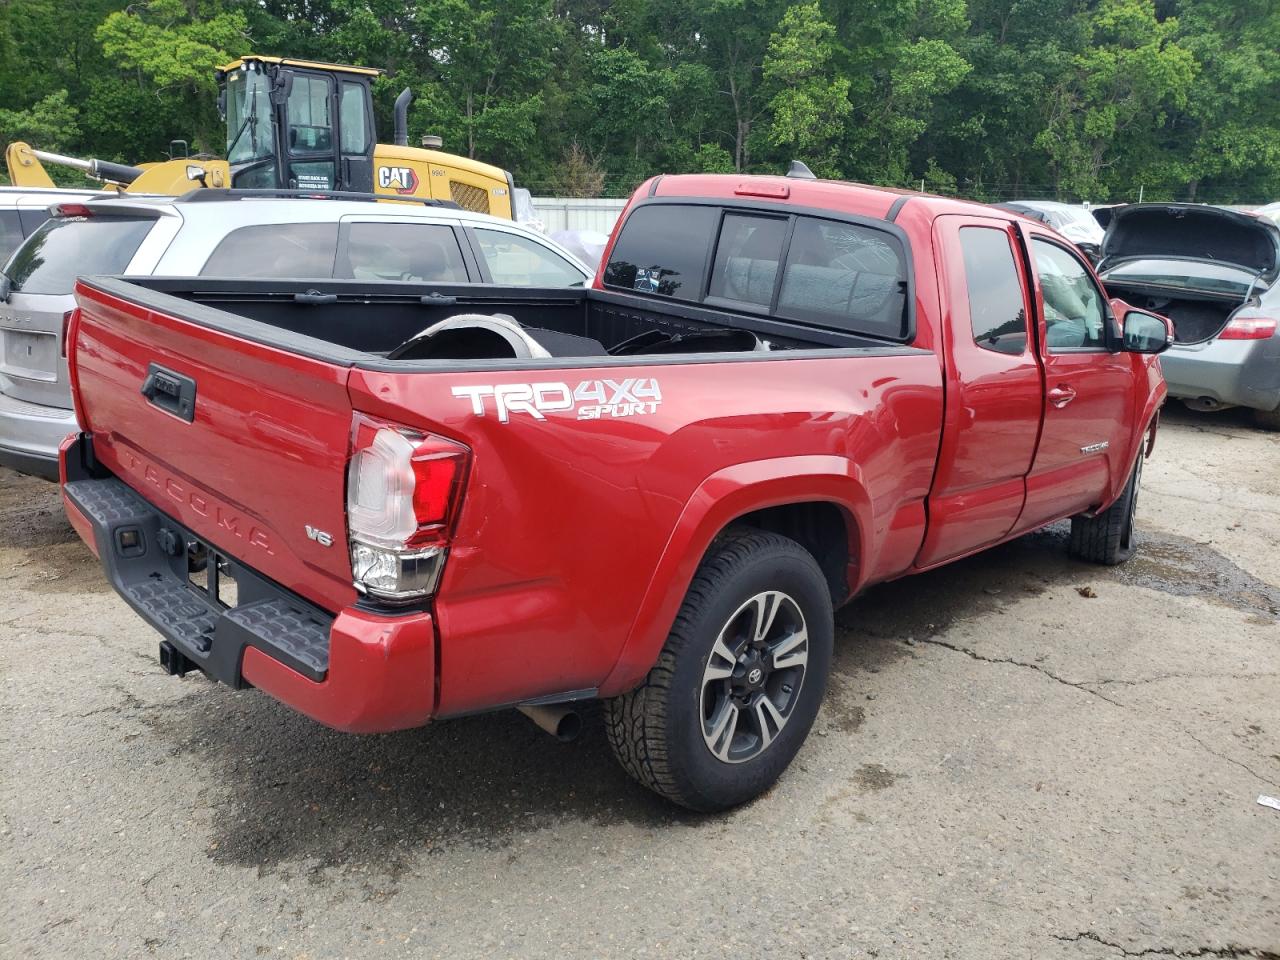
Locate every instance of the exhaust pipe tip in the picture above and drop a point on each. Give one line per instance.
(560, 720)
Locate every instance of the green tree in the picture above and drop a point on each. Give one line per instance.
(1116, 100)
(808, 102)
(175, 46)
(1225, 142)
(50, 122)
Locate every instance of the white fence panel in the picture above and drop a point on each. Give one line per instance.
(574, 213)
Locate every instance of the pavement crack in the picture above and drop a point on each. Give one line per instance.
(1182, 676)
(973, 654)
(1239, 763)
(1230, 950)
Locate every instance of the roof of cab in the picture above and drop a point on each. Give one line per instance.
(882, 203)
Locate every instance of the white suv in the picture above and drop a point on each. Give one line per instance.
(228, 234)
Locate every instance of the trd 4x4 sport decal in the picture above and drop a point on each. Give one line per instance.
(592, 399)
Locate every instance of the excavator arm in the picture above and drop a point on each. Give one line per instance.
(25, 168)
(167, 177)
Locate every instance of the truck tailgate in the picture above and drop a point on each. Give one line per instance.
(242, 443)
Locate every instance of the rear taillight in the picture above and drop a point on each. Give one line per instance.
(403, 490)
(66, 332)
(1248, 328)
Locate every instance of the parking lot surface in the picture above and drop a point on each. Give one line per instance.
(1019, 756)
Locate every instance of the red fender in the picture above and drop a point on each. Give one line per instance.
(718, 501)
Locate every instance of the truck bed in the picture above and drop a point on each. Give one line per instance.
(365, 320)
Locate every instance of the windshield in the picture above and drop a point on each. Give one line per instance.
(248, 117)
(1190, 274)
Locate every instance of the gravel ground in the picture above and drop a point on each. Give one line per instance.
(1019, 756)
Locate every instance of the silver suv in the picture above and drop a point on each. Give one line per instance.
(225, 234)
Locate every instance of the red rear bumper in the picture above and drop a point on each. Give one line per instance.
(370, 671)
(381, 674)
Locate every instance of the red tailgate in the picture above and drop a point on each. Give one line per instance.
(259, 471)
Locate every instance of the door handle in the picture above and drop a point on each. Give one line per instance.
(1060, 396)
(172, 392)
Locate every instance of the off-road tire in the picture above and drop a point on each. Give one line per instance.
(1109, 537)
(656, 731)
(1267, 419)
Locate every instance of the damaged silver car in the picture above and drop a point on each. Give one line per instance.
(1213, 272)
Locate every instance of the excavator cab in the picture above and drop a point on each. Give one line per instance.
(298, 125)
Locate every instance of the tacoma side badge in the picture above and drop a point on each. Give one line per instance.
(319, 536)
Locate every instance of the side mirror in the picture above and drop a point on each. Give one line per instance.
(1146, 332)
(196, 172)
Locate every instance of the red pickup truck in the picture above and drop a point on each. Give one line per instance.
(385, 504)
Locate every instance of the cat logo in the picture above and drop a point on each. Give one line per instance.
(399, 179)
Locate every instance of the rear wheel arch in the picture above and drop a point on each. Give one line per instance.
(823, 527)
(788, 495)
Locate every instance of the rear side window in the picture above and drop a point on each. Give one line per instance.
(63, 249)
(847, 276)
(747, 258)
(305, 250)
(663, 249)
(425, 252)
(995, 294)
(523, 262)
(10, 233)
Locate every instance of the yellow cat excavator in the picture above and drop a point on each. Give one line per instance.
(298, 125)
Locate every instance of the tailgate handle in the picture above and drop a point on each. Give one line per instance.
(172, 392)
(315, 297)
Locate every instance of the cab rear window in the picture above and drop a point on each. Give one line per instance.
(847, 276)
(663, 249)
(810, 270)
(63, 249)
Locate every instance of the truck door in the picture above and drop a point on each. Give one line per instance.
(310, 150)
(1089, 385)
(994, 390)
(355, 132)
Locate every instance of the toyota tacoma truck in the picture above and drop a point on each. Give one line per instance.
(388, 504)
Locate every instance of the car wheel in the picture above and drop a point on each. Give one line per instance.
(1267, 419)
(1109, 537)
(739, 681)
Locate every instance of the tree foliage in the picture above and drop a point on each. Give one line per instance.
(1079, 99)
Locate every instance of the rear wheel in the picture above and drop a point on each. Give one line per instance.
(738, 682)
(1109, 537)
